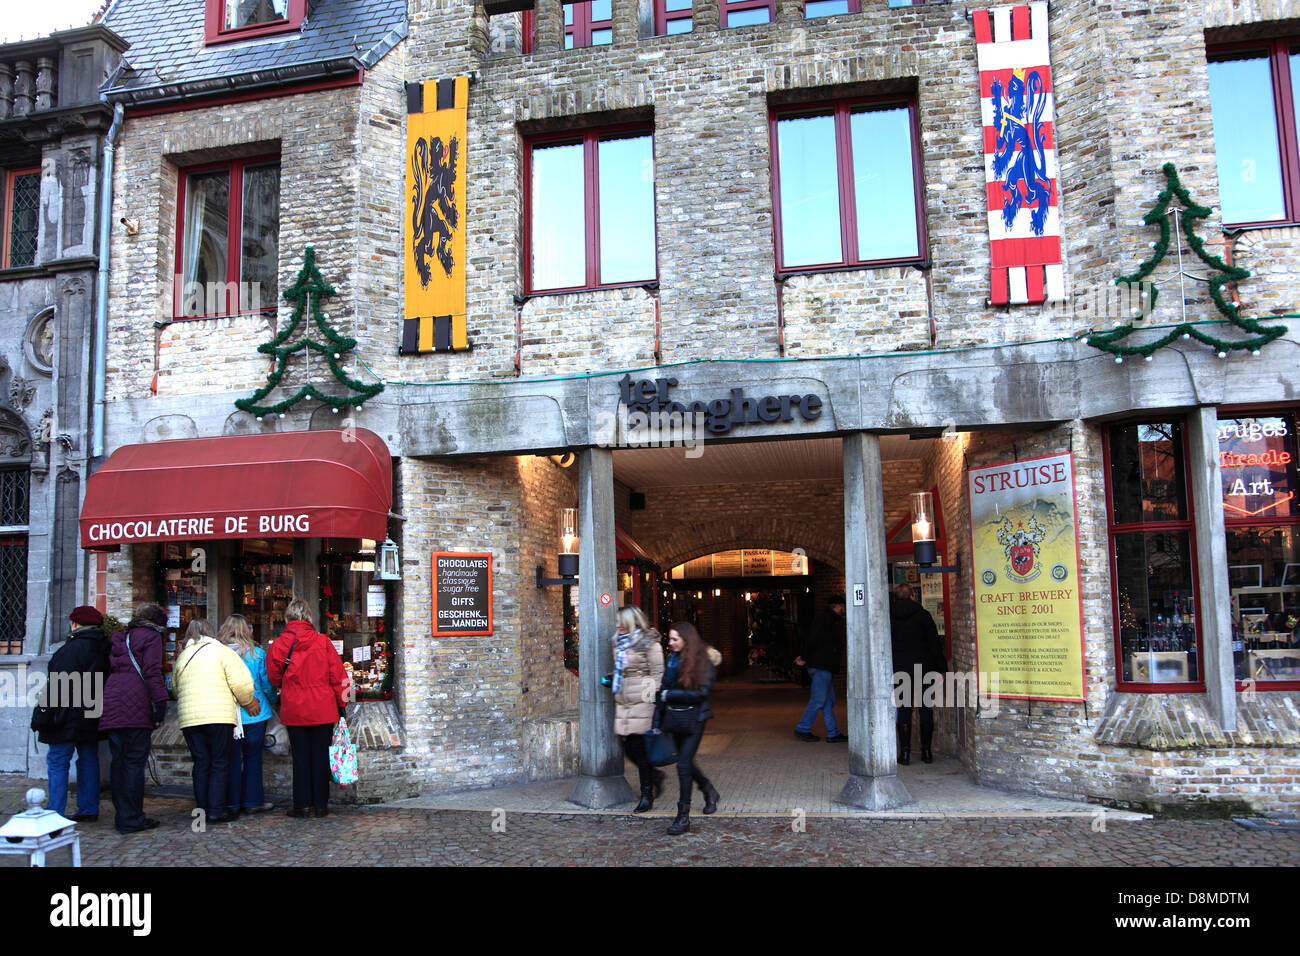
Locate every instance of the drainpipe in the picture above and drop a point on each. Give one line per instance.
(101, 285)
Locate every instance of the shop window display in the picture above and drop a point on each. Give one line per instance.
(1152, 548)
(1257, 462)
(264, 586)
(184, 579)
(358, 616)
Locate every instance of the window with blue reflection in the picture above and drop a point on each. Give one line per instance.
(1246, 140)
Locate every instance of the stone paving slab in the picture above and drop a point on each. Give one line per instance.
(380, 836)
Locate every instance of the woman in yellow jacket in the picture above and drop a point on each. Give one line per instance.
(209, 679)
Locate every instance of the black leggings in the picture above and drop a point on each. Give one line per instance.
(687, 771)
(634, 749)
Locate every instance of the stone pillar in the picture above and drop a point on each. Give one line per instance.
(626, 21)
(600, 758)
(24, 88)
(548, 26)
(45, 83)
(6, 91)
(873, 782)
(1215, 625)
(705, 16)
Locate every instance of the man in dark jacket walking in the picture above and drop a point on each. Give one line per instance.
(821, 656)
(74, 699)
(918, 651)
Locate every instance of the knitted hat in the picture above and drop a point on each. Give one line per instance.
(86, 616)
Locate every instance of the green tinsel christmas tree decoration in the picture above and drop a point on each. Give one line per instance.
(1112, 341)
(308, 287)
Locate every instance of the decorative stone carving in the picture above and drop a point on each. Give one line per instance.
(242, 423)
(15, 443)
(21, 392)
(38, 342)
(167, 427)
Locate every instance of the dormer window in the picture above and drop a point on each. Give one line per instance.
(228, 20)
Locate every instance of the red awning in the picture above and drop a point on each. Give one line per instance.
(320, 484)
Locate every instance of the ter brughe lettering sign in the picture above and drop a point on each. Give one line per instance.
(462, 593)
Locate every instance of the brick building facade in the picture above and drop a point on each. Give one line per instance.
(905, 341)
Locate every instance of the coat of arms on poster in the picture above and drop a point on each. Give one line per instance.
(1028, 609)
(1020, 170)
(434, 217)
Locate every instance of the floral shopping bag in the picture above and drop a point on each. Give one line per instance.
(343, 756)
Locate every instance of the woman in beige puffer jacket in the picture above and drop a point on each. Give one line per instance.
(638, 668)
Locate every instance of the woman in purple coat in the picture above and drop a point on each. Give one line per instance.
(135, 702)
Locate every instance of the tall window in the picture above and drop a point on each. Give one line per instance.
(590, 210)
(1254, 109)
(13, 558)
(228, 224)
(846, 185)
(742, 13)
(20, 205)
(588, 23)
(672, 17)
(242, 19)
(1261, 517)
(1152, 552)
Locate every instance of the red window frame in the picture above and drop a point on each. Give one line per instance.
(663, 16)
(841, 109)
(526, 31)
(7, 180)
(1278, 51)
(1291, 521)
(214, 30)
(583, 25)
(735, 6)
(590, 140)
(235, 227)
(855, 6)
(1187, 524)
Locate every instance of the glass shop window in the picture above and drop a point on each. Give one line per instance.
(1257, 462)
(264, 585)
(358, 614)
(1152, 548)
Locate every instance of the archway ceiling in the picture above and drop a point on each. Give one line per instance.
(805, 459)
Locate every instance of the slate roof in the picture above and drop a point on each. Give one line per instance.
(168, 59)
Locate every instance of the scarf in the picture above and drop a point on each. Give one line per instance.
(622, 644)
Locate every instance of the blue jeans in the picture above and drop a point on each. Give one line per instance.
(246, 791)
(57, 762)
(822, 697)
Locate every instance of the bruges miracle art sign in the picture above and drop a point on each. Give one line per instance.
(462, 594)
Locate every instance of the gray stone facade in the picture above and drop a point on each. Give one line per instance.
(47, 308)
(894, 349)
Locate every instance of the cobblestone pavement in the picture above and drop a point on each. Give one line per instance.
(400, 837)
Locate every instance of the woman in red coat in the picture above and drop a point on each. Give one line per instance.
(309, 673)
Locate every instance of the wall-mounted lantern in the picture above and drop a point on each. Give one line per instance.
(388, 567)
(567, 560)
(925, 534)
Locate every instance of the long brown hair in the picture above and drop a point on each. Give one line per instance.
(693, 667)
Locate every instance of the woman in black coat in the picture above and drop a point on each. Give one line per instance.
(918, 652)
(689, 674)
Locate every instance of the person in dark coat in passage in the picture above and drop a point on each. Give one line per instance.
(689, 675)
(308, 672)
(822, 652)
(918, 652)
(135, 702)
(75, 696)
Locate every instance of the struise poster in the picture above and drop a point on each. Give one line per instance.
(1028, 613)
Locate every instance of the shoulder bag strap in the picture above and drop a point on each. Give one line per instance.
(133, 662)
(176, 678)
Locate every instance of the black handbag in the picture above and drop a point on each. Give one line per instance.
(680, 718)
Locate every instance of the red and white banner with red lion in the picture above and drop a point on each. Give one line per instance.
(1020, 168)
